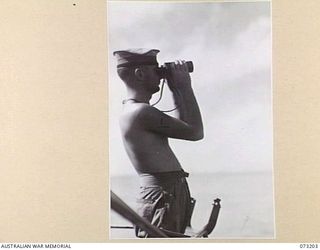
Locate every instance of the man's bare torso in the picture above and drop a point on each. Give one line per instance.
(148, 151)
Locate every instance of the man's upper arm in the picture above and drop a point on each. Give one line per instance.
(156, 121)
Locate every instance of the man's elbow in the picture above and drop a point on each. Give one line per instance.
(197, 136)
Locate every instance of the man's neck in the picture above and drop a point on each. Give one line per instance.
(138, 97)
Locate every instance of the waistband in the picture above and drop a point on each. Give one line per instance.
(155, 179)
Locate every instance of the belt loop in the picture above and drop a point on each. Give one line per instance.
(185, 174)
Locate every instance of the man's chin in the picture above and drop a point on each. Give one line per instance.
(156, 89)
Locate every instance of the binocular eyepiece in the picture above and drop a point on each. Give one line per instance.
(164, 70)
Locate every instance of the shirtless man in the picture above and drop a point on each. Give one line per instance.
(164, 193)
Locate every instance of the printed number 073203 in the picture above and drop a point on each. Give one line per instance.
(305, 245)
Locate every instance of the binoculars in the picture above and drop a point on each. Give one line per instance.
(164, 70)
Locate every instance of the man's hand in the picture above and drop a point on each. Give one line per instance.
(179, 77)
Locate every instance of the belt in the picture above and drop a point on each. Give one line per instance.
(156, 179)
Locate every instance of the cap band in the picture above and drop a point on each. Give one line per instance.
(133, 64)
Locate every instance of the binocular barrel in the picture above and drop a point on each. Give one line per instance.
(164, 69)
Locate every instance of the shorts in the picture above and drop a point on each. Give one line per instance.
(165, 201)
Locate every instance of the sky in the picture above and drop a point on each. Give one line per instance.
(230, 46)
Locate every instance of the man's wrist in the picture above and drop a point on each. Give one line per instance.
(185, 89)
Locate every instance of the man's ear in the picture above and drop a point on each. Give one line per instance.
(138, 72)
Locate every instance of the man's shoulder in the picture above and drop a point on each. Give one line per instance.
(138, 111)
(138, 117)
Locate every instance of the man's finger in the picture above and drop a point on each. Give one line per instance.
(177, 64)
(185, 66)
(180, 65)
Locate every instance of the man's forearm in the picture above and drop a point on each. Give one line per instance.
(188, 109)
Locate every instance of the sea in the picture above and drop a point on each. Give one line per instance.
(247, 204)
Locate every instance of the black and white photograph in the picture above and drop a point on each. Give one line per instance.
(190, 120)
